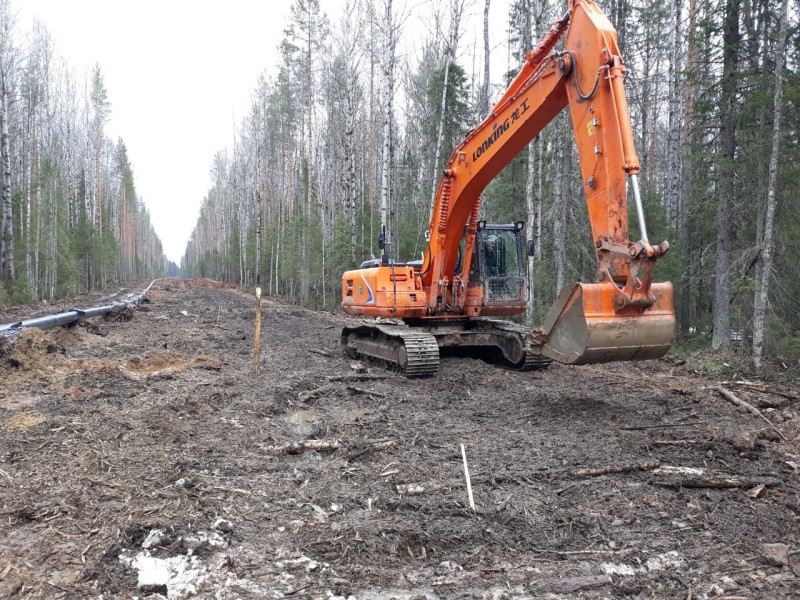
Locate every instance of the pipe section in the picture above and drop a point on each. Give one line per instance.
(73, 315)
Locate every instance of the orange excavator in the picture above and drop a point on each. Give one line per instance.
(472, 270)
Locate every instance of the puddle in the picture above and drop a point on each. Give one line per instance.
(301, 417)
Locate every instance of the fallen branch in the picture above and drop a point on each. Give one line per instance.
(304, 446)
(359, 390)
(231, 490)
(731, 397)
(375, 446)
(321, 353)
(664, 426)
(757, 387)
(347, 378)
(703, 478)
(309, 394)
(572, 552)
(675, 442)
(466, 476)
(594, 472)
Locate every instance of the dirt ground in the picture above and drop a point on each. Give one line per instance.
(144, 456)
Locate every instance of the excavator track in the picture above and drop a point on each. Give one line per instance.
(517, 334)
(534, 362)
(414, 353)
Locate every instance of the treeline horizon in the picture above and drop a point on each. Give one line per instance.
(71, 220)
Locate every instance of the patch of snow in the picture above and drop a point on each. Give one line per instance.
(660, 562)
(303, 561)
(153, 538)
(668, 560)
(618, 569)
(204, 538)
(223, 525)
(179, 575)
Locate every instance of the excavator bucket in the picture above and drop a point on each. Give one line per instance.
(584, 328)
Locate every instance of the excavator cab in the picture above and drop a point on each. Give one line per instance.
(498, 264)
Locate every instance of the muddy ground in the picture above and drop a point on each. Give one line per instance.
(143, 456)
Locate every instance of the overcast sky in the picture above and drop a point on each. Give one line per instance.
(179, 76)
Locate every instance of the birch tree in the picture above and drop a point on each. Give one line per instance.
(388, 116)
(533, 184)
(483, 98)
(7, 65)
(762, 284)
(456, 10)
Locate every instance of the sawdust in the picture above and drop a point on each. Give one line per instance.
(43, 355)
(24, 421)
(160, 362)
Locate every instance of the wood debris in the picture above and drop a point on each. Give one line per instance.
(305, 446)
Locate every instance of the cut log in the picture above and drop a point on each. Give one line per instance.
(429, 487)
(305, 446)
(595, 471)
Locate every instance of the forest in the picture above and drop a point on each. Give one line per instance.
(350, 130)
(71, 220)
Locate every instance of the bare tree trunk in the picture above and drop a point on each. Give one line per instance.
(350, 175)
(727, 188)
(449, 54)
(562, 207)
(687, 174)
(259, 223)
(388, 92)
(673, 185)
(483, 106)
(533, 200)
(483, 100)
(7, 233)
(762, 285)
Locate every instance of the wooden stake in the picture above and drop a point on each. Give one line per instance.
(466, 476)
(257, 336)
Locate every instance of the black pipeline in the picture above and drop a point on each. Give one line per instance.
(71, 316)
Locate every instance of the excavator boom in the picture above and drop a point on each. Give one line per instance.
(623, 315)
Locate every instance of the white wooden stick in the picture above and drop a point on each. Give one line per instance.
(466, 476)
(257, 336)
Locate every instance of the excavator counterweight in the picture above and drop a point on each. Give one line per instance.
(473, 271)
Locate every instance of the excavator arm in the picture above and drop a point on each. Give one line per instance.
(623, 315)
(587, 77)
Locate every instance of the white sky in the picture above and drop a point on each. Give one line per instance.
(179, 76)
